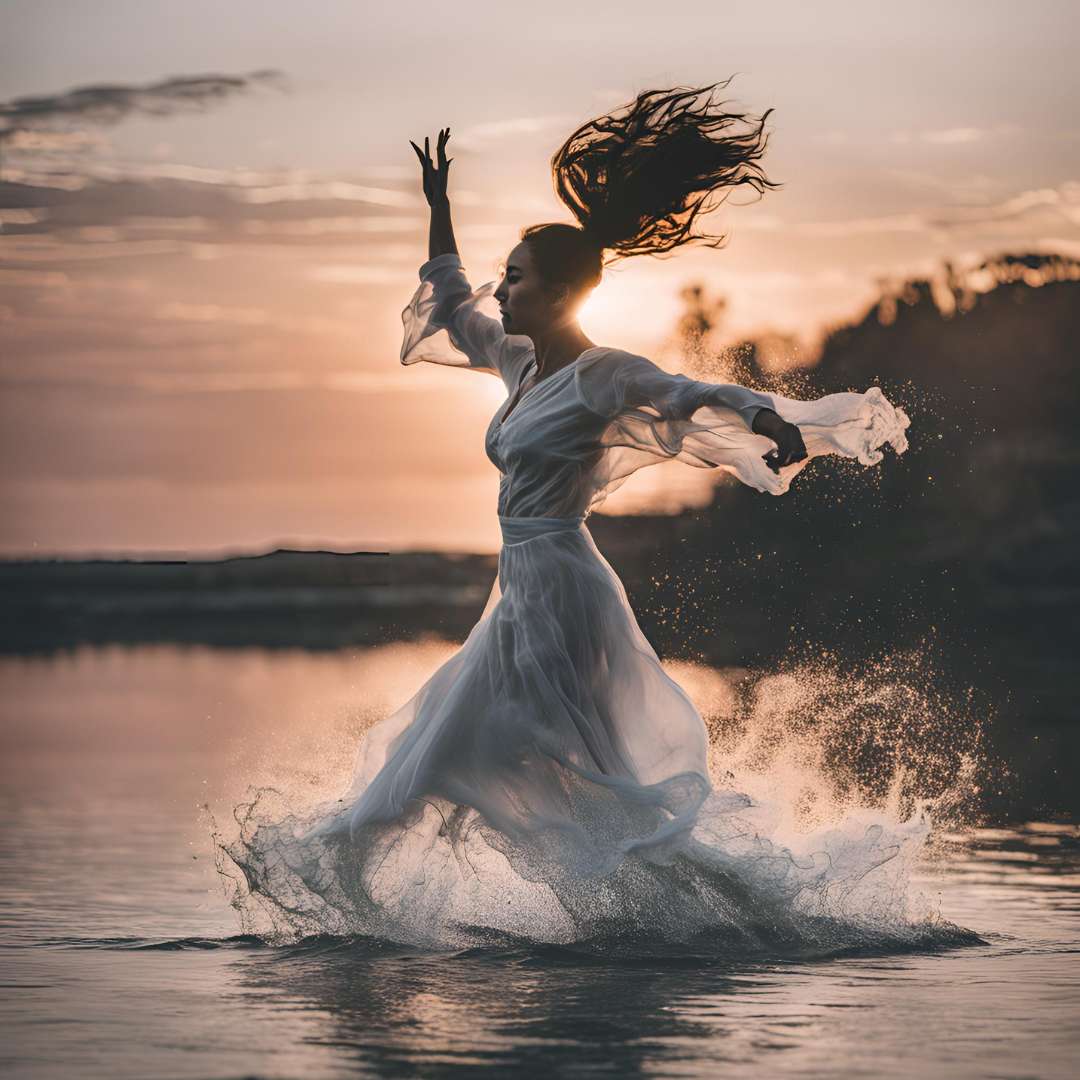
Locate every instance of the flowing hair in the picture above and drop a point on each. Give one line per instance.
(637, 178)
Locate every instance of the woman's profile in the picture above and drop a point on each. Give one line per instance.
(550, 779)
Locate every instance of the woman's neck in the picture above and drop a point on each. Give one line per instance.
(559, 348)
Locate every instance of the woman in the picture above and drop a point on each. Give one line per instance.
(550, 778)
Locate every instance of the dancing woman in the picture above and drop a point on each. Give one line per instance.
(550, 778)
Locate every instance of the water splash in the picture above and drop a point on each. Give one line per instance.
(830, 787)
(819, 740)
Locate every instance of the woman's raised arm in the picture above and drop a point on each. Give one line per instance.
(441, 232)
(446, 300)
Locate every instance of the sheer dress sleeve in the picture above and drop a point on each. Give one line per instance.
(445, 323)
(651, 415)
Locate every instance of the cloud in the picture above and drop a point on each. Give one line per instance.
(957, 136)
(248, 316)
(952, 136)
(53, 142)
(860, 226)
(107, 104)
(970, 187)
(213, 382)
(478, 136)
(355, 275)
(832, 138)
(330, 191)
(1062, 201)
(22, 217)
(171, 202)
(91, 244)
(32, 279)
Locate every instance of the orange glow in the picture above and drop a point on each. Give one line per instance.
(630, 309)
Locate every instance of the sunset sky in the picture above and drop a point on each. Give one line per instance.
(200, 309)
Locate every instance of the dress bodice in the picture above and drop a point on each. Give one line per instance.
(545, 447)
(576, 435)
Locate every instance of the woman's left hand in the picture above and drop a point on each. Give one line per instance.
(789, 448)
(789, 441)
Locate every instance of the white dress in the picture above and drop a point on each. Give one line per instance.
(550, 779)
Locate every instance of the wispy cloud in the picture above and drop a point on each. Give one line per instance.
(969, 187)
(251, 185)
(354, 275)
(859, 226)
(1062, 201)
(216, 382)
(478, 136)
(329, 227)
(53, 142)
(955, 136)
(144, 202)
(336, 190)
(110, 103)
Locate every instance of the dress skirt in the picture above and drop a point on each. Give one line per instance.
(549, 780)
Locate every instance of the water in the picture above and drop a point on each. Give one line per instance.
(122, 958)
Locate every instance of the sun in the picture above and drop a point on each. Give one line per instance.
(630, 307)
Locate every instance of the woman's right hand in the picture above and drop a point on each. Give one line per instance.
(434, 178)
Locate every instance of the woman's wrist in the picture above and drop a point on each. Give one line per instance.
(768, 423)
(441, 233)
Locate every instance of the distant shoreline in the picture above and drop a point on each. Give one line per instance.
(307, 599)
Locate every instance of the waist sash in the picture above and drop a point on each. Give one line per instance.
(516, 530)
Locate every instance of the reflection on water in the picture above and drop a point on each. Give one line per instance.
(122, 959)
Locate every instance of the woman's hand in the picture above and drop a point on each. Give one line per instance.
(789, 441)
(789, 448)
(434, 178)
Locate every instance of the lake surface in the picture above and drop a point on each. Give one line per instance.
(122, 957)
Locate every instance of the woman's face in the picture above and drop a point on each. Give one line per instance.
(526, 304)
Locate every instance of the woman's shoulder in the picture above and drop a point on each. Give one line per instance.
(610, 362)
(610, 356)
(606, 375)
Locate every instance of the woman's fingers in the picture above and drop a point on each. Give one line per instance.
(425, 158)
(434, 178)
(780, 457)
(440, 149)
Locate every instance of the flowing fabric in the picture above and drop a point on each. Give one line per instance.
(550, 778)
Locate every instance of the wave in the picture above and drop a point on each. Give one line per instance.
(508, 947)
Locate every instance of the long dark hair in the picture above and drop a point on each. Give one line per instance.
(636, 179)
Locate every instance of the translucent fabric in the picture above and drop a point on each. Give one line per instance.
(550, 778)
(576, 435)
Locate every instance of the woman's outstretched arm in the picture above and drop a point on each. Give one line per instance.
(441, 232)
(635, 382)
